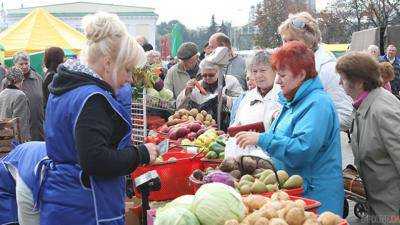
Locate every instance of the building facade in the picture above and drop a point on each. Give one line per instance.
(138, 20)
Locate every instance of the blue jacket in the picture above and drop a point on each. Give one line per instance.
(306, 139)
(25, 158)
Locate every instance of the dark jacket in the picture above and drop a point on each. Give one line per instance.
(395, 83)
(98, 130)
(47, 80)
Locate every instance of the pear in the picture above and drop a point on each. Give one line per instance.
(270, 179)
(283, 176)
(294, 181)
(248, 178)
(258, 187)
(272, 187)
(245, 189)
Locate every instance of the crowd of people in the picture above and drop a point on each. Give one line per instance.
(76, 123)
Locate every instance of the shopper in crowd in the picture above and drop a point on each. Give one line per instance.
(391, 57)
(19, 184)
(261, 103)
(375, 135)
(306, 135)
(53, 57)
(373, 51)
(237, 65)
(303, 27)
(209, 72)
(179, 74)
(32, 87)
(171, 62)
(88, 130)
(142, 40)
(14, 103)
(206, 51)
(387, 74)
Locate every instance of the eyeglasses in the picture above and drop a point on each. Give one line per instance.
(209, 75)
(301, 24)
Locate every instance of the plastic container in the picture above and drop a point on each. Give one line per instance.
(173, 175)
(311, 205)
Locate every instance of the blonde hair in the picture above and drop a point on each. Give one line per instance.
(108, 37)
(387, 71)
(310, 34)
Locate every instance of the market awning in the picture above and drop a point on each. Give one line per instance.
(39, 30)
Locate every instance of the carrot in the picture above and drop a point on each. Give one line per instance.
(201, 89)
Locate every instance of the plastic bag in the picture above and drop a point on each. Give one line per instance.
(232, 150)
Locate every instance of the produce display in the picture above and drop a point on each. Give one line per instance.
(280, 210)
(213, 204)
(220, 204)
(184, 115)
(249, 176)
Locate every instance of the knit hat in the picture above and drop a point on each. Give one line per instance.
(187, 50)
(15, 75)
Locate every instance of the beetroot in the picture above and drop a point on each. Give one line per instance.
(194, 127)
(192, 135)
(182, 132)
(201, 131)
(173, 134)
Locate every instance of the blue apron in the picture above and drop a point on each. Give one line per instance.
(25, 158)
(64, 198)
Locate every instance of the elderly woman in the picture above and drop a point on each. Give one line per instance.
(261, 103)
(14, 103)
(375, 135)
(88, 130)
(303, 27)
(192, 96)
(306, 135)
(386, 71)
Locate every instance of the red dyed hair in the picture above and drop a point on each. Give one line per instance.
(294, 56)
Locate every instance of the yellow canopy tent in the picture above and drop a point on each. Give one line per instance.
(39, 30)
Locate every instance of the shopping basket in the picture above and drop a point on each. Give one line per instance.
(173, 175)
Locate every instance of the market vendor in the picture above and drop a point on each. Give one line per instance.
(306, 135)
(19, 184)
(375, 135)
(88, 130)
(262, 100)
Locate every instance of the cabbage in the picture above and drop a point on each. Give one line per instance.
(220, 177)
(166, 94)
(184, 201)
(216, 203)
(175, 216)
(152, 92)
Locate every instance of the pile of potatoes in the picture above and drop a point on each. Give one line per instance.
(279, 210)
(184, 115)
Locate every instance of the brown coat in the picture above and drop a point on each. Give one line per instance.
(376, 149)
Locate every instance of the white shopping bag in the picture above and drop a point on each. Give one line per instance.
(232, 150)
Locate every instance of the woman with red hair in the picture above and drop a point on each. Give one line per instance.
(306, 135)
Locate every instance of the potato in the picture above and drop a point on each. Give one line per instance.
(252, 218)
(208, 117)
(204, 113)
(277, 221)
(200, 117)
(170, 118)
(231, 222)
(207, 123)
(268, 212)
(328, 218)
(262, 221)
(191, 118)
(213, 122)
(193, 112)
(310, 222)
(295, 216)
(279, 196)
(255, 202)
(300, 203)
(311, 216)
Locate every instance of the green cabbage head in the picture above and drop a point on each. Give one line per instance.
(175, 216)
(216, 203)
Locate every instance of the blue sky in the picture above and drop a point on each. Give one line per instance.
(192, 13)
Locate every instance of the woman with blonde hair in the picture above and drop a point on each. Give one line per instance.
(88, 130)
(303, 27)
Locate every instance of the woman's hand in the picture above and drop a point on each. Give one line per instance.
(153, 152)
(189, 86)
(245, 138)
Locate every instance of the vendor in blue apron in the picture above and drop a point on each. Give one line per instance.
(88, 130)
(305, 136)
(19, 184)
